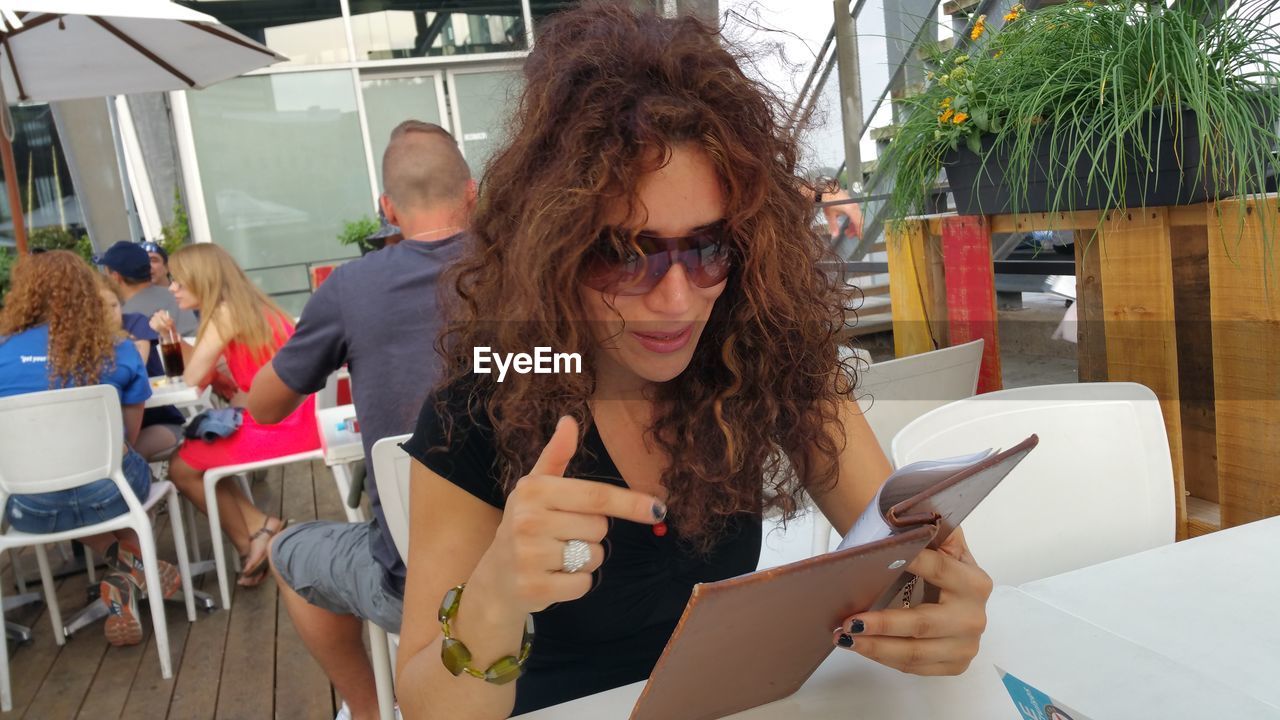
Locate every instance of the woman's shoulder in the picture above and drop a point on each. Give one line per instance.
(454, 439)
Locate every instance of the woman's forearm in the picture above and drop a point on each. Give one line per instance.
(425, 687)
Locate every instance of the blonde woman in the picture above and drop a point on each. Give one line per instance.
(244, 327)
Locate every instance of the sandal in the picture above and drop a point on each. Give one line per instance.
(256, 574)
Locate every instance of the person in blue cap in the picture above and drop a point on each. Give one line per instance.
(159, 263)
(128, 264)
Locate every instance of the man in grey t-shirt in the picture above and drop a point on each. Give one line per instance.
(129, 264)
(379, 316)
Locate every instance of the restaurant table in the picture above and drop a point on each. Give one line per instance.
(176, 393)
(1182, 631)
(343, 449)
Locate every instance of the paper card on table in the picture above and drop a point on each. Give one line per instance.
(1034, 704)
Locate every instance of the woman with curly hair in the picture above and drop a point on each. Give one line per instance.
(54, 334)
(647, 215)
(240, 324)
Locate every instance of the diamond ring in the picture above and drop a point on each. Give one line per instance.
(576, 555)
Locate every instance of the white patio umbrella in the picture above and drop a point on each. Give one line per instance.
(66, 49)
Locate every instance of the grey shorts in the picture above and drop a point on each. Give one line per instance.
(331, 565)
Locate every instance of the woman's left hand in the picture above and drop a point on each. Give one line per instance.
(932, 638)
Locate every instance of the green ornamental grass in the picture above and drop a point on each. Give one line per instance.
(1112, 74)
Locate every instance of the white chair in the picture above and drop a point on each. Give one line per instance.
(391, 473)
(891, 394)
(212, 477)
(86, 446)
(1099, 485)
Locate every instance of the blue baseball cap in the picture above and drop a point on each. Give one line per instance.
(128, 259)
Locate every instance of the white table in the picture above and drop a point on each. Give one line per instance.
(342, 449)
(1183, 631)
(176, 393)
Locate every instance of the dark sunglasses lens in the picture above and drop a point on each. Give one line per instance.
(704, 255)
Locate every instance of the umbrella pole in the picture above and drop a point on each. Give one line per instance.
(15, 199)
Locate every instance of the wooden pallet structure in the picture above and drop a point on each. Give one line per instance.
(1184, 300)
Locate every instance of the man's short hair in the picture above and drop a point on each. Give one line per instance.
(422, 166)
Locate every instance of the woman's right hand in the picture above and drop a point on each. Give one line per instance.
(162, 323)
(525, 563)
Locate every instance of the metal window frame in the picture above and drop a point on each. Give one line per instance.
(442, 68)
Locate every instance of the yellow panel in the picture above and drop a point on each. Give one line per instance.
(1138, 312)
(1245, 310)
(905, 247)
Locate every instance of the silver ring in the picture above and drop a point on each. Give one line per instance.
(576, 555)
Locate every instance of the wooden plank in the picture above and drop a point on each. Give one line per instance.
(911, 331)
(29, 665)
(971, 292)
(71, 674)
(1245, 308)
(1138, 306)
(147, 694)
(1091, 336)
(302, 690)
(195, 692)
(1190, 249)
(245, 691)
(1203, 517)
(1026, 222)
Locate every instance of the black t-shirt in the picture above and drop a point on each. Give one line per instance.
(613, 635)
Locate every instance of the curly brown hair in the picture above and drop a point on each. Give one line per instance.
(753, 420)
(57, 288)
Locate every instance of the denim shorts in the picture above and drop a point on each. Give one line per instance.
(86, 505)
(331, 565)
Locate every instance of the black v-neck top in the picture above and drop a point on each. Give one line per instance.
(613, 635)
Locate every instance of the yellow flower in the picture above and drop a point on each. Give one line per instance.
(979, 27)
(946, 102)
(1015, 12)
(960, 117)
(1088, 4)
(945, 116)
(962, 59)
(998, 53)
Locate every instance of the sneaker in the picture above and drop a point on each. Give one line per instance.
(123, 627)
(129, 562)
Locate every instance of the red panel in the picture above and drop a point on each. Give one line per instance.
(319, 274)
(971, 291)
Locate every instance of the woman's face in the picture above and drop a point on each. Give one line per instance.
(186, 299)
(112, 302)
(651, 337)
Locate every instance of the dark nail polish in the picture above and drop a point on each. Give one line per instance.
(659, 511)
(845, 641)
(857, 626)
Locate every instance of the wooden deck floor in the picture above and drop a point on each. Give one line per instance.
(242, 664)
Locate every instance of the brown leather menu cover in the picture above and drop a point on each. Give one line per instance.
(753, 639)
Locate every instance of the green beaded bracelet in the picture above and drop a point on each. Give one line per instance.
(457, 658)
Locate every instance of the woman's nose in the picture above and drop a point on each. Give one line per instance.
(671, 296)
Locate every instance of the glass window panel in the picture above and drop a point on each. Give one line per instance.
(389, 101)
(543, 9)
(389, 29)
(484, 101)
(51, 211)
(308, 33)
(283, 167)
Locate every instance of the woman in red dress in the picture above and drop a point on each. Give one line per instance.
(241, 325)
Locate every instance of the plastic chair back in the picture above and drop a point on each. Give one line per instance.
(391, 472)
(895, 392)
(60, 439)
(1098, 487)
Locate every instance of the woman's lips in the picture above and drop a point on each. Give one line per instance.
(665, 342)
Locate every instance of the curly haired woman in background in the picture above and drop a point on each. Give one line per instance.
(647, 215)
(54, 333)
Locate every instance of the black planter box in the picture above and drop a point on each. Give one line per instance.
(1167, 178)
